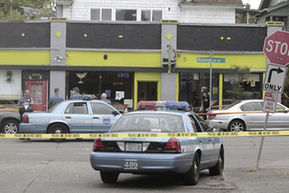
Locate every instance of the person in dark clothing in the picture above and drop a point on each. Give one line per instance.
(24, 104)
(205, 103)
(75, 94)
(55, 99)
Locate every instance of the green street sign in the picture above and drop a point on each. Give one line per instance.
(209, 60)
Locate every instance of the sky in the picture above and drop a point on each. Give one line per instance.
(254, 3)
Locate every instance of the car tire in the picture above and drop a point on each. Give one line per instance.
(10, 126)
(109, 177)
(219, 167)
(237, 126)
(57, 128)
(193, 175)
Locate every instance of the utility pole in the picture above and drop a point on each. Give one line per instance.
(11, 3)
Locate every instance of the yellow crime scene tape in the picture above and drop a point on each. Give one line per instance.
(145, 135)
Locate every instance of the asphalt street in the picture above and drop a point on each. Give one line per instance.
(46, 166)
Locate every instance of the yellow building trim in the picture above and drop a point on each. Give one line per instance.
(146, 77)
(252, 61)
(220, 90)
(124, 59)
(24, 57)
(177, 86)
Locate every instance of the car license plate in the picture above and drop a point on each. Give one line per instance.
(133, 146)
(130, 164)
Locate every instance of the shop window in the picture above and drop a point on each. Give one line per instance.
(95, 14)
(193, 84)
(125, 15)
(157, 15)
(241, 86)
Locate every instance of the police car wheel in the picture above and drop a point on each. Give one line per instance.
(219, 167)
(57, 128)
(109, 177)
(193, 175)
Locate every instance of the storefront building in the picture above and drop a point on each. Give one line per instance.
(131, 61)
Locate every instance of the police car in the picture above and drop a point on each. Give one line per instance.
(72, 116)
(164, 154)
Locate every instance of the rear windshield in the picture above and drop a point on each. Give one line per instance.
(149, 123)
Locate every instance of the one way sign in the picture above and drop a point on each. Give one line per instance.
(275, 78)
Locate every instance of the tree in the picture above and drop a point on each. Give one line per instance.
(26, 9)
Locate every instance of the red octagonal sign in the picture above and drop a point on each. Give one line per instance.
(276, 48)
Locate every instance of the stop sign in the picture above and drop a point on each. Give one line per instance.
(276, 48)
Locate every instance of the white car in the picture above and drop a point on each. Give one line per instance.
(248, 115)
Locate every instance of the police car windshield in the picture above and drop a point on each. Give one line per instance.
(146, 122)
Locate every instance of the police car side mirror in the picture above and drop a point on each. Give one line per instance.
(115, 113)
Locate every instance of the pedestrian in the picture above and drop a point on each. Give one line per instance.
(103, 98)
(205, 103)
(25, 104)
(55, 99)
(75, 94)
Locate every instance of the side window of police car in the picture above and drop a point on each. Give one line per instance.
(101, 109)
(77, 108)
(196, 126)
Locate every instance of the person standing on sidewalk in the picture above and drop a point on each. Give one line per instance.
(205, 103)
(55, 99)
(103, 98)
(75, 94)
(24, 104)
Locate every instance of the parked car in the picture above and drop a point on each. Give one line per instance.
(9, 122)
(248, 115)
(72, 116)
(186, 156)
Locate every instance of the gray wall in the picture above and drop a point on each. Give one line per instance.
(57, 80)
(168, 86)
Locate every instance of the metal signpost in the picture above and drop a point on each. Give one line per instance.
(276, 48)
(211, 60)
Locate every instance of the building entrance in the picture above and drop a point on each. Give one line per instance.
(147, 91)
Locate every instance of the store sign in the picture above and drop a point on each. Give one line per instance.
(275, 78)
(270, 102)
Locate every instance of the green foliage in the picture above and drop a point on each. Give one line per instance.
(45, 7)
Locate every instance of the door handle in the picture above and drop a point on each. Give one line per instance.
(67, 117)
(95, 117)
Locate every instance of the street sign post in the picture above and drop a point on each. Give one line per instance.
(276, 48)
(211, 60)
(275, 78)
